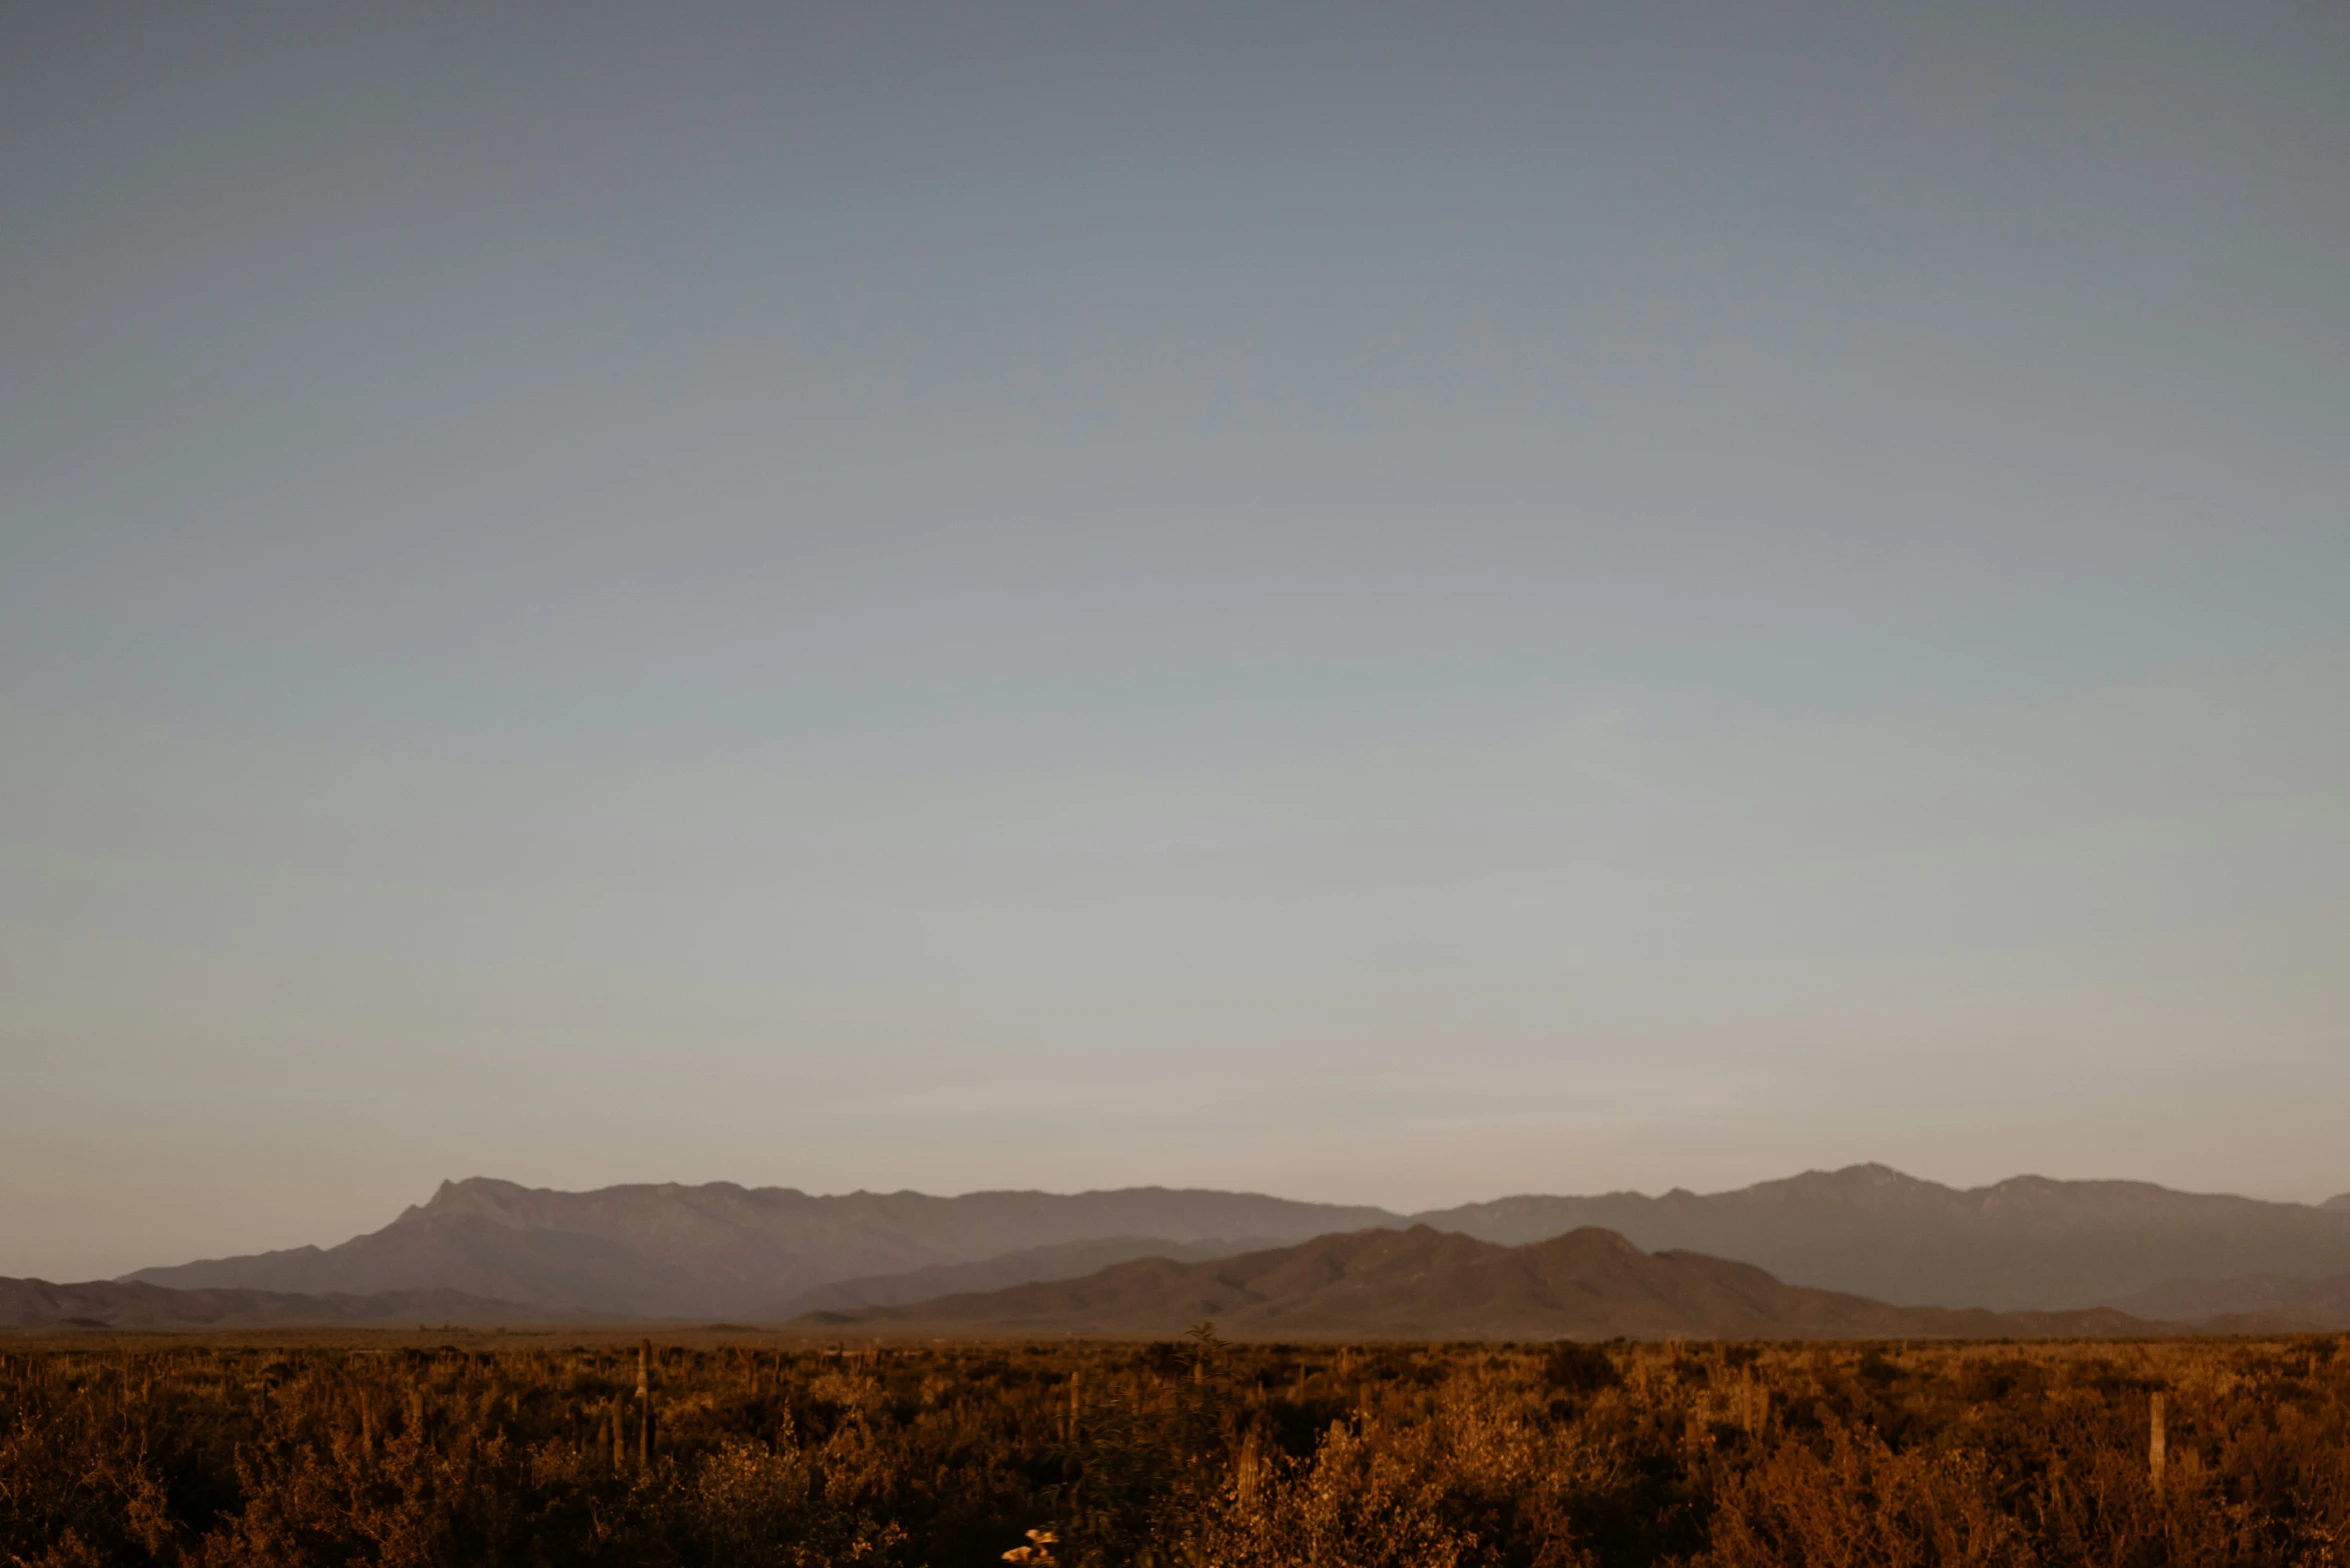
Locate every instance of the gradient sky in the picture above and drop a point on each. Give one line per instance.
(1382, 603)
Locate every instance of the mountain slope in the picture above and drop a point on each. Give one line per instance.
(1423, 1283)
(36, 1303)
(724, 1250)
(2028, 1242)
(1030, 1265)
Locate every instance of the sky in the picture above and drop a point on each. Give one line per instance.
(1379, 603)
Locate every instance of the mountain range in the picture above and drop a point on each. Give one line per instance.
(720, 1250)
(768, 1254)
(1424, 1283)
(2025, 1243)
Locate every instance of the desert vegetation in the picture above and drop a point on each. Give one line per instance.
(538, 1450)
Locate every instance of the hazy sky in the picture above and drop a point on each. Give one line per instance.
(1373, 602)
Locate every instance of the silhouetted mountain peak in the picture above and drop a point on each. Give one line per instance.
(1868, 1187)
(1872, 1174)
(1590, 1241)
(480, 1197)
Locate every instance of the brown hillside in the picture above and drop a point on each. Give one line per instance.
(1423, 1283)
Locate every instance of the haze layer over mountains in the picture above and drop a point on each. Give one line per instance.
(771, 1254)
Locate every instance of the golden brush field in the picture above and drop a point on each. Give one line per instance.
(530, 1449)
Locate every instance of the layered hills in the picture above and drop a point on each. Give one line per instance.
(1423, 1283)
(2028, 1242)
(720, 1250)
(1013, 1268)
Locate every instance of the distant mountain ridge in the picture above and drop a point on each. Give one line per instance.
(1423, 1283)
(2026, 1243)
(721, 1250)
